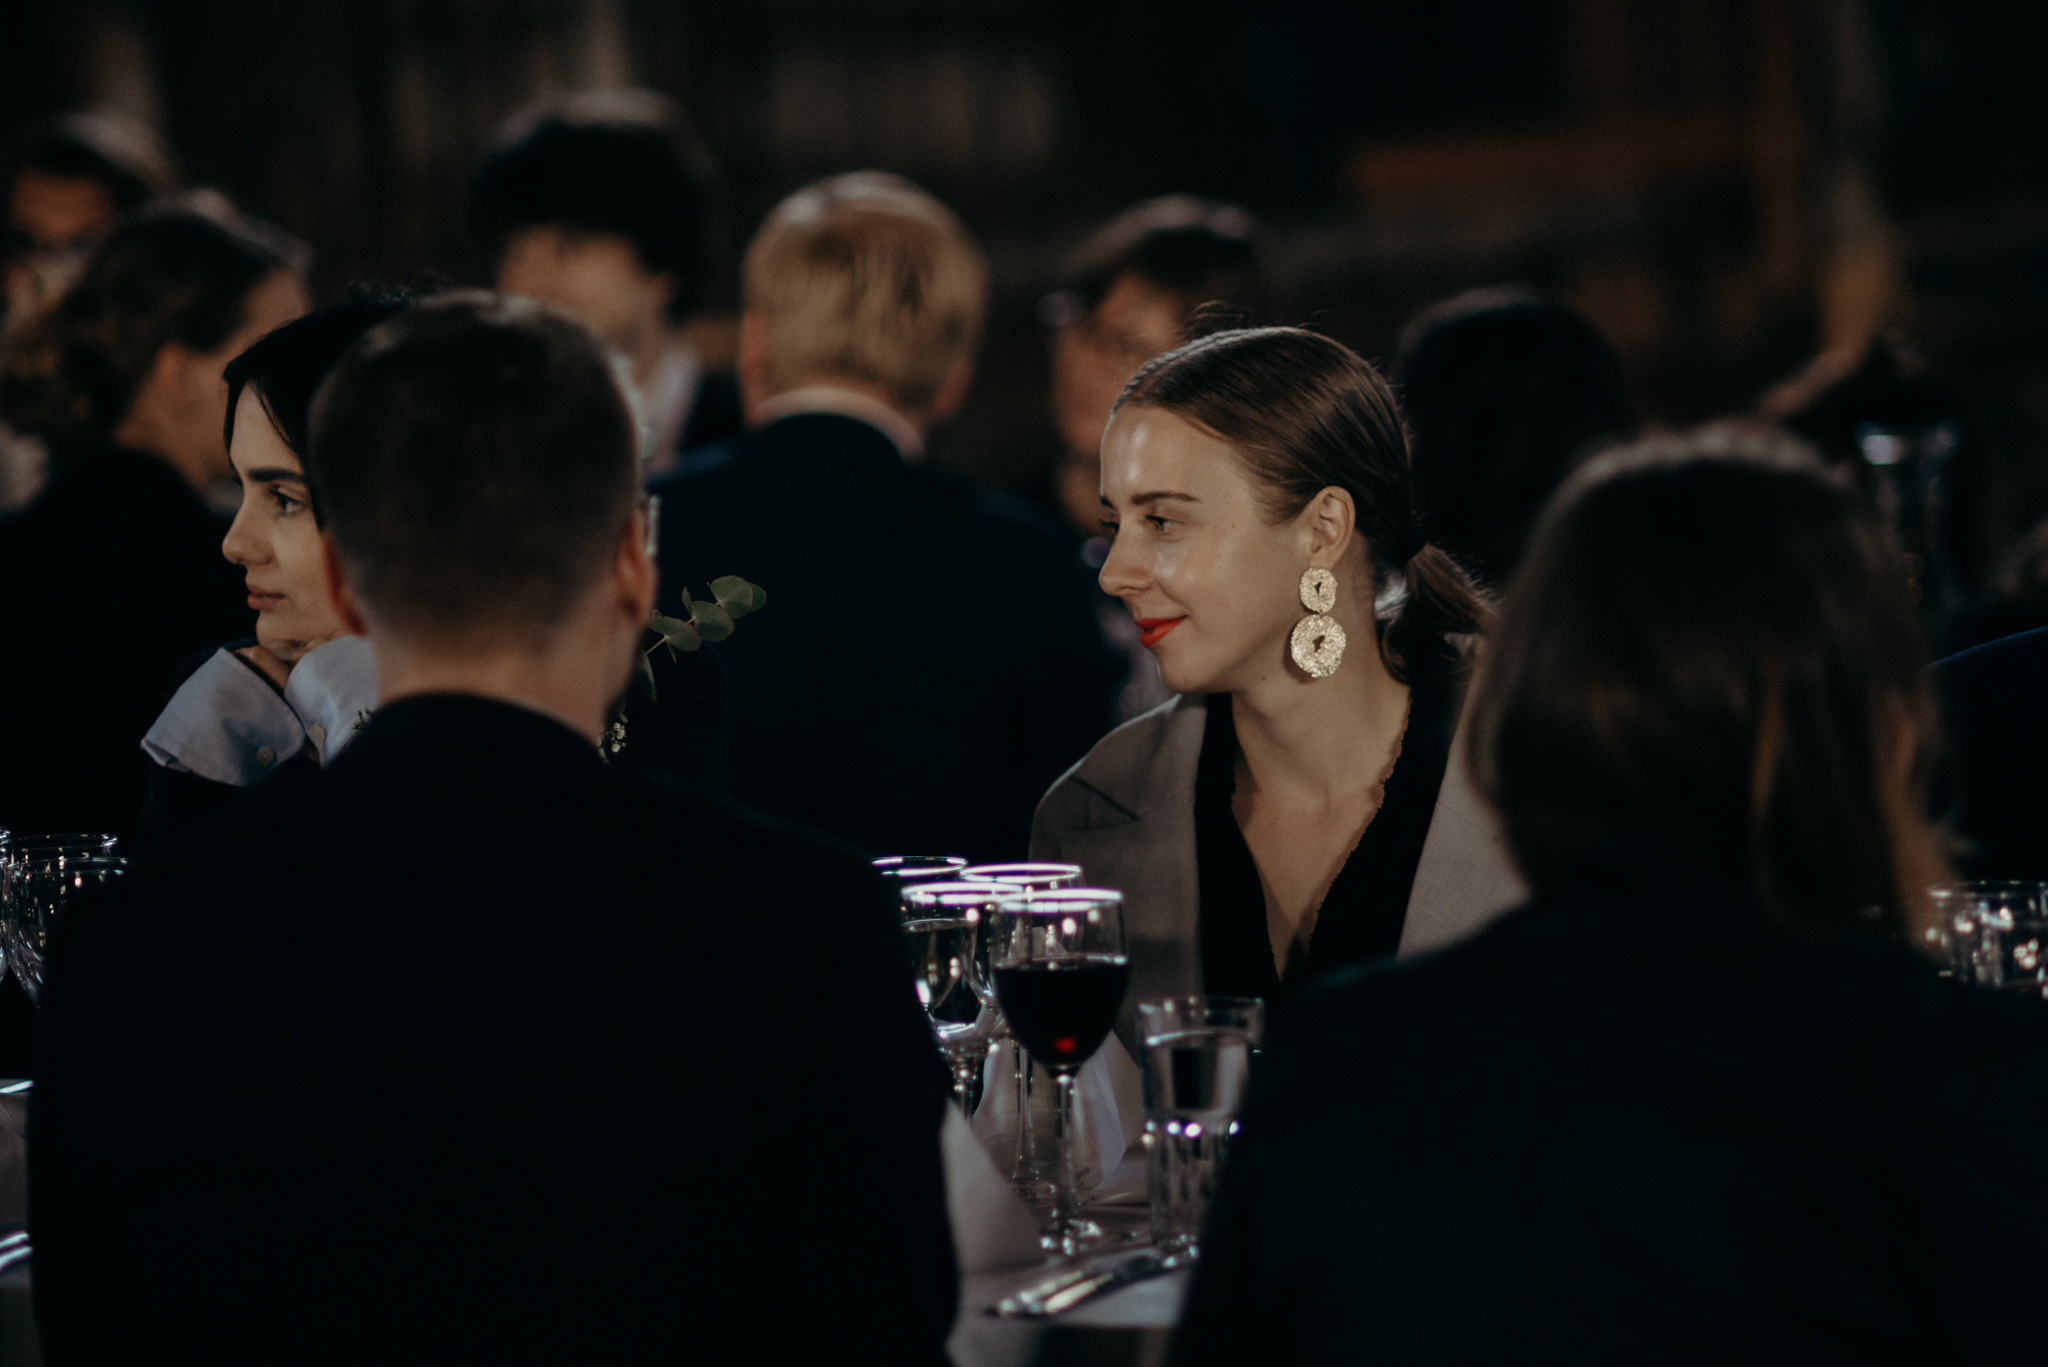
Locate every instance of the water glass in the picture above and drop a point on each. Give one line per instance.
(1199, 1053)
(38, 889)
(946, 924)
(37, 847)
(1994, 934)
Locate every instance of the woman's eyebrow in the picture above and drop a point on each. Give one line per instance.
(1142, 499)
(274, 473)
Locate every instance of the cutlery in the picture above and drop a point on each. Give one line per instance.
(1057, 1294)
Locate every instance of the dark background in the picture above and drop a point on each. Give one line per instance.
(1724, 186)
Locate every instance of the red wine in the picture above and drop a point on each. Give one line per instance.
(1062, 1009)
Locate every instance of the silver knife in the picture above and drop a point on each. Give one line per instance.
(1057, 1294)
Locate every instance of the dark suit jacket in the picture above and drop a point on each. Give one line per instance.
(925, 667)
(107, 581)
(479, 1050)
(1995, 698)
(1634, 1127)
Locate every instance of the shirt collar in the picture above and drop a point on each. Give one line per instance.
(846, 403)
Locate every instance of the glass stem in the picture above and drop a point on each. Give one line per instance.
(1026, 1167)
(1065, 1209)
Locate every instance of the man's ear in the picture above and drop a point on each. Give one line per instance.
(339, 595)
(953, 392)
(634, 571)
(752, 362)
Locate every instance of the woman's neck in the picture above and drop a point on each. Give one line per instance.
(1322, 740)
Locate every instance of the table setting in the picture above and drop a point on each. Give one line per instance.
(1023, 970)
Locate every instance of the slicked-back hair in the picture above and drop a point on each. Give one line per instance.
(1708, 670)
(475, 463)
(1304, 413)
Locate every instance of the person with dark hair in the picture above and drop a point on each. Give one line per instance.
(64, 181)
(1297, 808)
(1506, 391)
(598, 205)
(550, 926)
(1129, 294)
(1698, 1098)
(289, 700)
(122, 374)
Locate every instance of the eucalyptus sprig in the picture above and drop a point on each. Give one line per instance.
(709, 619)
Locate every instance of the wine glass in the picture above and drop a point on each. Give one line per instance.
(34, 847)
(39, 889)
(1061, 971)
(1999, 933)
(946, 923)
(911, 868)
(1026, 878)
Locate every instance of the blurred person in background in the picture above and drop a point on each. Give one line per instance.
(1131, 292)
(114, 574)
(286, 702)
(926, 664)
(63, 182)
(1506, 391)
(1696, 1099)
(598, 206)
(1297, 808)
(1888, 420)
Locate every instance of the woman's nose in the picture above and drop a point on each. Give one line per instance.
(239, 546)
(1123, 575)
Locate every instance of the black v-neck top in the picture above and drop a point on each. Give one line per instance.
(1362, 914)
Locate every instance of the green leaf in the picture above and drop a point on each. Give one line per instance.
(713, 623)
(737, 596)
(679, 635)
(646, 677)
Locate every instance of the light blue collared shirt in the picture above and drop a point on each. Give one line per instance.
(229, 725)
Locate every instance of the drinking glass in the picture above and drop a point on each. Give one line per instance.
(39, 889)
(1199, 1053)
(946, 923)
(1998, 933)
(1061, 971)
(37, 846)
(1026, 878)
(909, 868)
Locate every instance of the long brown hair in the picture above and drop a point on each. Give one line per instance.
(1304, 414)
(179, 271)
(1709, 665)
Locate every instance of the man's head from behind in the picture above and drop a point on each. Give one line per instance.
(476, 469)
(863, 280)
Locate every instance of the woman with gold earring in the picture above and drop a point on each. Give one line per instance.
(1296, 809)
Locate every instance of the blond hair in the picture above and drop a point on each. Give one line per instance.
(866, 277)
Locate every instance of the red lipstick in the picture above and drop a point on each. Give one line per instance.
(1152, 630)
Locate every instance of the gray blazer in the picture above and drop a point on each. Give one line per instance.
(1126, 815)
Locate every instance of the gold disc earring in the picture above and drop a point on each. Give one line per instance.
(1318, 642)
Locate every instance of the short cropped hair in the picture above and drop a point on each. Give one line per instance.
(475, 463)
(620, 162)
(1200, 251)
(866, 277)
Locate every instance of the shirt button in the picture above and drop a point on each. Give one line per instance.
(265, 755)
(318, 733)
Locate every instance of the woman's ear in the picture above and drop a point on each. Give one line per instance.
(1329, 524)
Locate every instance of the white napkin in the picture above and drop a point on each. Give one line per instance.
(1109, 1113)
(992, 1228)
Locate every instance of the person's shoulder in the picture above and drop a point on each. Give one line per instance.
(1152, 755)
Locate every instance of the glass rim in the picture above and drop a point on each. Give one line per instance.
(1004, 873)
(896, 863)
(1050, 903)
(976, 893)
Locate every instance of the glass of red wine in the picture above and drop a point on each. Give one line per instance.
(1060, 971)
(1025, 878)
